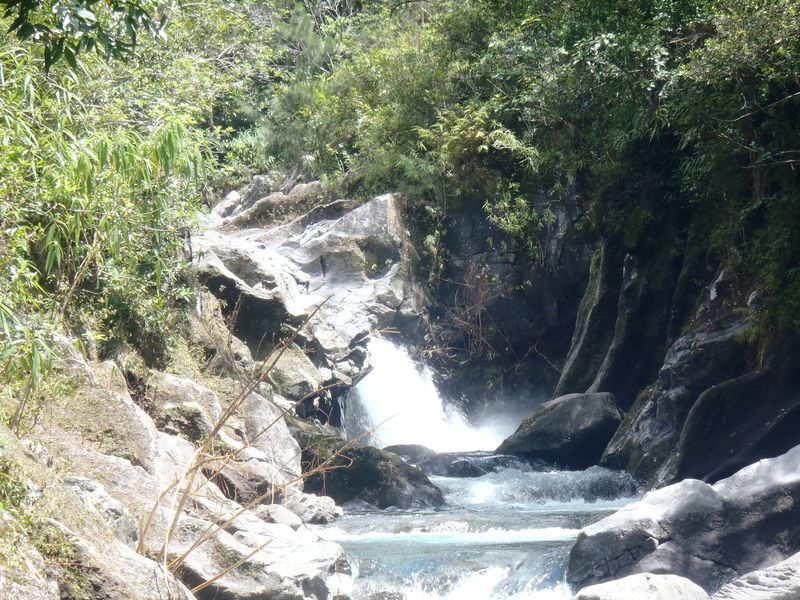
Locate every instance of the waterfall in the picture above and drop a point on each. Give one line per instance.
(398, 403)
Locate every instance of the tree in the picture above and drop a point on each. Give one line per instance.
(65, 29)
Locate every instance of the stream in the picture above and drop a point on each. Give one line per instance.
(503, 535)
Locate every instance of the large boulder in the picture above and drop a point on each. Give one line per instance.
(454, 464)
(695, 362)
(709, 534)
(102, 413)
(571, 431)
(262, 562)
(353, 269)
(82, 531)
(266, 430)
(777, 582)
(644, 586)
(377, 477)
(294, 376)
(313, 509)
(183, 406)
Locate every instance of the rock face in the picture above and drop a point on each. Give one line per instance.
(183, 405)
(377, 477)
(777, 582)
(694, 363)
(111, 513)
(644, 586)
(571, 431)
(709, 534)
(494, 303)
(670, 336)
(358, 263)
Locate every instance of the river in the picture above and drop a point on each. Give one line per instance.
(503, 535)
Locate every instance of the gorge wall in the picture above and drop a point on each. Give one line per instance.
(658, 319)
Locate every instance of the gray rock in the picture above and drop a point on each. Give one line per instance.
(359, 264)
(777, 582)
(276, 208)
(594, 324)
(377, 477)
(644, 586)
(446, 464)
(571, 431)
(227, 205)
(312, 508)
(111, 510)
(102, 412)
(228, 355)
(709, 534)
(267, 431)
(260, 187)
(119, 573)
(294, 376)
(275, 562)
(184, 406)
(275, 513)
(23, 572)
(248, 480)
(648, 437)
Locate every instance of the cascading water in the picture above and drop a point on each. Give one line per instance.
(398, 403)
(504, 535)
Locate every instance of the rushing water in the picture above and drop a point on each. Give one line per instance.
(502, 536)
(398, 403)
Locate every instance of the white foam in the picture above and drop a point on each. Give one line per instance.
(484, 584)
(455, 536)
(401, 405)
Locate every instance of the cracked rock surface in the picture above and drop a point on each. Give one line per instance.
(708, 534)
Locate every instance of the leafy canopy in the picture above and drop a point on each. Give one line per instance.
(66, 28)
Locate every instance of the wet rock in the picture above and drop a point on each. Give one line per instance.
(415, 453)
(777, 582)
(380, 478)
(594, 324)
(709, 534)
(495, 305)
(445, 464)
(644, 586)
(571, 431)
(698, 419)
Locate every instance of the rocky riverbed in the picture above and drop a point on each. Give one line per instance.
(224, 475)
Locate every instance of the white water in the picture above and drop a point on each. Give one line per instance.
(398, 403)
(502, 536)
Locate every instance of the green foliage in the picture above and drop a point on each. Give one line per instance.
(650, 109)
(64, 29)
(103, 167)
